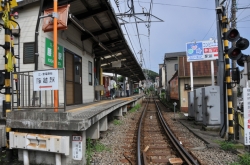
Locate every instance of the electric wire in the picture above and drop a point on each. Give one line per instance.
(133, 12)
(209, 30)
(167, 4)
(243, 10)
(129, 39)
(129, 36)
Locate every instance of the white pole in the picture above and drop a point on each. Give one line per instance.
(26, 157)
(191, 76)
(212, 72)
(58, 159)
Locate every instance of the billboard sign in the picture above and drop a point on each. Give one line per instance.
(202, 50)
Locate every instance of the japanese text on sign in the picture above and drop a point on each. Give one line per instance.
(49, 57)
(246, 100)
(77, 147)
(45, 80)
(202, 50)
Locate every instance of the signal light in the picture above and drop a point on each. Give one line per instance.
(241, 60)
(232, 35)
(234, 52)
(242, 43)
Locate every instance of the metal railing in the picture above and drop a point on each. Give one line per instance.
(24, 96)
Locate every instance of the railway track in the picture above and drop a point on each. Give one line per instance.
(122, 141)
(149, 140)
(156, 144)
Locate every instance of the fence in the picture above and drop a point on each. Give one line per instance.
(25, 97)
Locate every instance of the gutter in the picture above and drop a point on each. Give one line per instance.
(36, 45)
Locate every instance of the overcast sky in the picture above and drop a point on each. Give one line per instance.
(184, 21)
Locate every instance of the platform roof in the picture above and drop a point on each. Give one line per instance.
(102, 27)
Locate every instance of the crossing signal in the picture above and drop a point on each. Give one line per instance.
(241, 60)
(234, 52)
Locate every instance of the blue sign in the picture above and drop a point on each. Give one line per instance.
(202, 50)
(194, 51)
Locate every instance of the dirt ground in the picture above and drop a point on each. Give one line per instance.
(9, 160)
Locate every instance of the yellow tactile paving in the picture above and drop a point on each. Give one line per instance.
(99, 103)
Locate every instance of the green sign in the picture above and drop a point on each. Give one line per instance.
(49, 56)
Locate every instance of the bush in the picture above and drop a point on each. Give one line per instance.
(162, 96)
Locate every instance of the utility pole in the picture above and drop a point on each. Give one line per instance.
(221, 76)
(233, 25)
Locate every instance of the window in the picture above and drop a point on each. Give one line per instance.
(175, 67)
(29, 53)
(90, 73)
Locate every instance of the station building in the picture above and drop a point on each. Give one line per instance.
(90, 42)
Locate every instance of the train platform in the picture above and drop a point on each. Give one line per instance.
(45, 137)
(76, 117)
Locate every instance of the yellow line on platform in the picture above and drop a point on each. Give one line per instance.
(96, 104)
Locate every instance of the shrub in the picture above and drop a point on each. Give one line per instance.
(135, 108)
(117, 122)
(94, 146)
(245, 159)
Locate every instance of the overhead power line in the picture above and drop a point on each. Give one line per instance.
(167, 4)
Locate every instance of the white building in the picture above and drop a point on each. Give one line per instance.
(90, 44)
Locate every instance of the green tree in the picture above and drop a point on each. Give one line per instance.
(120, 78)
(151, 74)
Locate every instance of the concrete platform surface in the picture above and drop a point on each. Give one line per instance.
(76, 117)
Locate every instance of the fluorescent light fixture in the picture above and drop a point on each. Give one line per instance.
(104, 64)
(118, 54)
(76, 22)
(100, 44)
(108, 56)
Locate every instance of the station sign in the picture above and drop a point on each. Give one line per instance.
(202, 50)
(49, 56)
(77, 147)
(246, 100)
(45, 80)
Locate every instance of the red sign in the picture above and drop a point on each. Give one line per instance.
(211, 50)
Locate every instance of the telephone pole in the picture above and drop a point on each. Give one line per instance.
(233, 26)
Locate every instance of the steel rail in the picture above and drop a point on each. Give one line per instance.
(182, 151)
(139, 134)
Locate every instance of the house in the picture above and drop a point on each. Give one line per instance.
(162, 78)
(178, 85)
(171, 66)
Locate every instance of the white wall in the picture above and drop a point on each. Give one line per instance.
(163, 75)
(27, 21)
